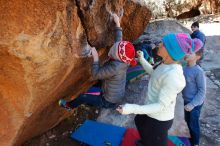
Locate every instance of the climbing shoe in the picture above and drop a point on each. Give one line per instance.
(64, 104)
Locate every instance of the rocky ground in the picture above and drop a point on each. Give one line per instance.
(60, 135)
(210, 117)
(136, 91)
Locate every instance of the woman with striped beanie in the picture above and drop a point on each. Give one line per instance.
(155, 116)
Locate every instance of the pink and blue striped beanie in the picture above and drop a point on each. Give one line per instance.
(180, 44)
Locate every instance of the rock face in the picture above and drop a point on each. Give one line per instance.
(42, 44)
(183, 8)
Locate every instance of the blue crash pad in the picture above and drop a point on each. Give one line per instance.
(99, 134)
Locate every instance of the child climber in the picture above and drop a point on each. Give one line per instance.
(112, 73)
(194, 95)
(155, 117)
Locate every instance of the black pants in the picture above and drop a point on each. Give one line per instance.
(93, 100)
(152, 131)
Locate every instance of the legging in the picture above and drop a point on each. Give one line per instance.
(152, 131)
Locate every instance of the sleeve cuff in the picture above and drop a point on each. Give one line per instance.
(129, 109)
(96, 63)
(141, 59)
(191, 105)
(118, 28)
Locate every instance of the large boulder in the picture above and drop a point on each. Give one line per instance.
(43, 45)
(182, 8)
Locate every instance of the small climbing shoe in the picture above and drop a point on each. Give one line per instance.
(64, 104)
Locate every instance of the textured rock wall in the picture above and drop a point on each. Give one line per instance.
(42, 44)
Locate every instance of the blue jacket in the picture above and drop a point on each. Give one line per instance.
(199, 35)
(195, 89)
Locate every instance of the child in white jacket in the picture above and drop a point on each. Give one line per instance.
(155, 117)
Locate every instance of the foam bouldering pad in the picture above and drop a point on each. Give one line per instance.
(135, 72)
(131, 136)
(179, 141)
(99, 134)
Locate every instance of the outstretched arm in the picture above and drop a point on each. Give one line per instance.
(170, 87)
(118, 29)
(147, 67)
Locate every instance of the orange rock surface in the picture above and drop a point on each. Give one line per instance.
(41, 57)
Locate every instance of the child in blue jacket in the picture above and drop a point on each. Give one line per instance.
(194, 95)
(196, 33)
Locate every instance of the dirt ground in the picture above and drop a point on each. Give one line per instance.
(210, 117)
(60, 135)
